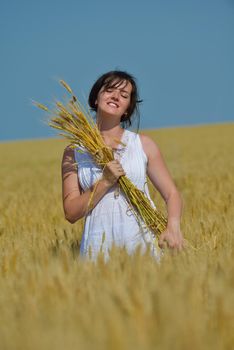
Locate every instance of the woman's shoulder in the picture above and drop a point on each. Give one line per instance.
(146, 140)
(68, 153)
(72, 149)
(148, 143)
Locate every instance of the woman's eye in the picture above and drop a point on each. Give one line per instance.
(110, 90)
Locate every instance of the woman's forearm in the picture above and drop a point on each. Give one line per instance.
(172, 236)
(174, 210)
(77, 206)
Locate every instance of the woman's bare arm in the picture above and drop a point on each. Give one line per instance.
(76, 202)
(162, 180)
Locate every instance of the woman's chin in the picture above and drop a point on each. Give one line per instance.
(108, 114)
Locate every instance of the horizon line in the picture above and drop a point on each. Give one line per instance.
(58, 137)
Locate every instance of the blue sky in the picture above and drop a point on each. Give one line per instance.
(180, 51)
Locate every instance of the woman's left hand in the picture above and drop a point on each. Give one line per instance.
(172, 238)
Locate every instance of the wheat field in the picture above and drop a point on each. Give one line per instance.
(50, 299)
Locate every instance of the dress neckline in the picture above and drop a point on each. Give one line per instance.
(120, 141)
(122, 146)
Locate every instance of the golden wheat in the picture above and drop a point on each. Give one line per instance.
(49, 298)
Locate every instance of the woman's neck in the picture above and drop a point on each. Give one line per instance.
(115, 131)
(109, 127)
(111, 134)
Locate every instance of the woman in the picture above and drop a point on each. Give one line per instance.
(114, 97)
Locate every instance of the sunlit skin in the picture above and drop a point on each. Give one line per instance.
(112, 104)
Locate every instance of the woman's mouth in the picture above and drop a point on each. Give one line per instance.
(113, 104)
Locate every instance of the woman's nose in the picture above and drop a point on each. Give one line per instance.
(115, 94)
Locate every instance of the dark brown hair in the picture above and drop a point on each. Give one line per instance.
(114, 79)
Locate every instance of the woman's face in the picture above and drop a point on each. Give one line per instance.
(114, 100)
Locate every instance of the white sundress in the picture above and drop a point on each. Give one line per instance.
(112, 221)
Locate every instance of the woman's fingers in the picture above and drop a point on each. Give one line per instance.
(168, 241)
(112, 171)
(162, 242)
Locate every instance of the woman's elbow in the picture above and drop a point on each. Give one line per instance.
(174, 194)
(70, 218)
(179, 198)
(178, 195)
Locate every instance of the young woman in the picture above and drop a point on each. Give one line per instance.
(114, 97)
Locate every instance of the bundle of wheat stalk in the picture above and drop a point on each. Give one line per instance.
(80, 129)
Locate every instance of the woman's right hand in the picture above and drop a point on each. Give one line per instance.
(112, 172)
